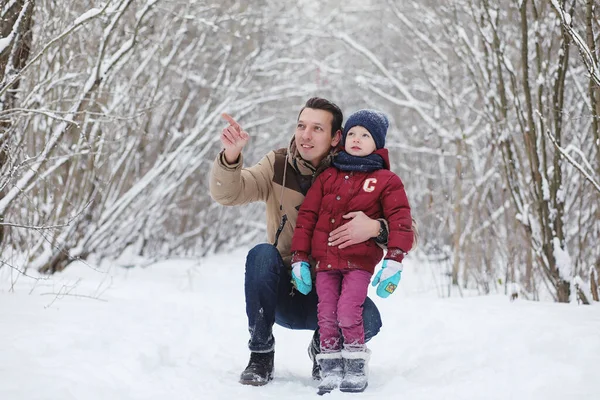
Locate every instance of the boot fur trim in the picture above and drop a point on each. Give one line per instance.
(350, 355)
(328, 356)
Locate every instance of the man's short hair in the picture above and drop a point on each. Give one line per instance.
(318, 103)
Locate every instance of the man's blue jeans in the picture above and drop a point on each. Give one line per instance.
(270, 299)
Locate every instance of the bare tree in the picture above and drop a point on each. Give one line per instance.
(491, 97)
(15, 44)
(118, 135)
(110, 120)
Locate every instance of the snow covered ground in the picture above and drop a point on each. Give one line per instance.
(177, 330)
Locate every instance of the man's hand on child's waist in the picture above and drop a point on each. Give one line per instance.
(359, 229)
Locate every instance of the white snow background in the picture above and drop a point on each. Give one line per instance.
(177, 330)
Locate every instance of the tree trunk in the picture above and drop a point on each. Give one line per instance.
(457, 215)
(594, 284)
(563, 291)
(16, 27)
(593, 88)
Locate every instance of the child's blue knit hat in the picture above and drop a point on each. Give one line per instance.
(374, 121)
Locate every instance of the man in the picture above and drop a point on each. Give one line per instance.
(281, 179)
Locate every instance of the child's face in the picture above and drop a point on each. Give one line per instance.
(359, 142)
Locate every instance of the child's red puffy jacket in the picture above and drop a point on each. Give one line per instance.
(379, 194)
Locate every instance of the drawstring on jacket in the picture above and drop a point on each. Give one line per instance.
(284, 217)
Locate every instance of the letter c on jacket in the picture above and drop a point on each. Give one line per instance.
(369, 184)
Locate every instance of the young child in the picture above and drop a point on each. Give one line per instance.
(360, 180)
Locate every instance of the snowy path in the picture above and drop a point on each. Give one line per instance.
(177, 330)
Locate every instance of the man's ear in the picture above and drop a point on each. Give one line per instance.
(336, 138)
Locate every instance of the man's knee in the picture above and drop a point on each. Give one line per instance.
(263, 261)
(371, 319)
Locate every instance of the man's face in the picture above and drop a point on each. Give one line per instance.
(313, 135)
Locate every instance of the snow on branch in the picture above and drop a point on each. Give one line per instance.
(417, 32)
(6, 8)
(113, 212)
(574, 163)
(103, 68)
(6, 42)
(76, 25)
(421, 108)
(584, 50)
(88, 88)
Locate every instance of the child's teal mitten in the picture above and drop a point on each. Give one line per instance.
(301, 277)
(388, 278)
